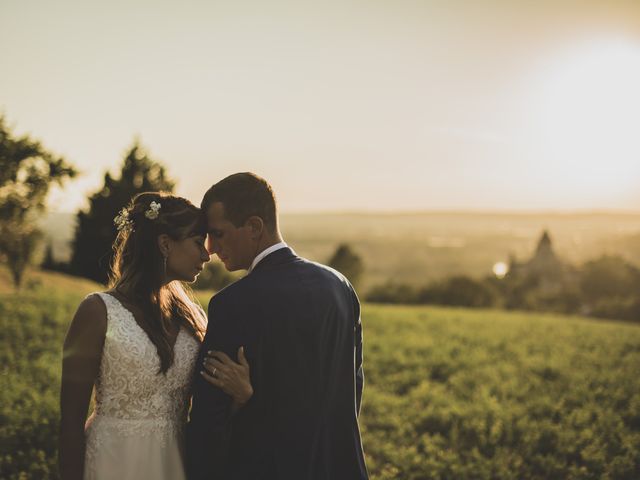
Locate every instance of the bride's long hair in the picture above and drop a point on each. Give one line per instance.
(138, 268)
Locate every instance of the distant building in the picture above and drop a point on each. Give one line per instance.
(545, 271)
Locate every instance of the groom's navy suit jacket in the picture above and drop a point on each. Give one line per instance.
(300, 325)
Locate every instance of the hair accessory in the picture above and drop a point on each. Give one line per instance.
(154, 211)
(123, 221)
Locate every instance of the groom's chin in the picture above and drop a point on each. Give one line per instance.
(227, 266)
(233, 267)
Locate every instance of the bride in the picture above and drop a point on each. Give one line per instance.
(137, 343)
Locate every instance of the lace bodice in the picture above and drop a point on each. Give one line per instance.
(129, 388)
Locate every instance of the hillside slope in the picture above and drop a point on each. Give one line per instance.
(450, 393)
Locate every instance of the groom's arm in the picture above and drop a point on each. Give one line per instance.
(359, 371)
(209, 426)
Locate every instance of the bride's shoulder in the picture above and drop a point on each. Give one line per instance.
(89, 324)
(95, 299)
(92, 309)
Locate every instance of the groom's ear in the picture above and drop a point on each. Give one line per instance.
(256, 225)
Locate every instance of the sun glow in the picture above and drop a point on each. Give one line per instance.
(500, 269)
(587, 117)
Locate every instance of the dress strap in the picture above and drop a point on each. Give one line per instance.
(112, 305)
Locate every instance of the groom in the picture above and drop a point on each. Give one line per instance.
(299, 323)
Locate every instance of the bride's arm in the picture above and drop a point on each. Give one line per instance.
(82, 352)
(232, 378)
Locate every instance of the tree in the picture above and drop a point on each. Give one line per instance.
(391, 292)
(95, 231)
(27, 171)
(50, 263)
(609, 276)
(459, 291)
(609, 287)
(347, 262)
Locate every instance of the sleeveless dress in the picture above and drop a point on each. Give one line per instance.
(136, 428)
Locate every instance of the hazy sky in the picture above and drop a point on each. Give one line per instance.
(345, 105)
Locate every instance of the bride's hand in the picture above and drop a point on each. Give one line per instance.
(231, 377)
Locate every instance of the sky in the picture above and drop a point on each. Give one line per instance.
(342, 105)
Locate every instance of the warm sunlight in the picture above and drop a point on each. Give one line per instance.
(500, 269)
(389, 93)
(443, 216)
(588, 116)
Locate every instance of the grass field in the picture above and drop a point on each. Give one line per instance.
(449, 393)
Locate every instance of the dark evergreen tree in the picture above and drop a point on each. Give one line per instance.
(95, 231)
(27, 171)
(49, 262)
(347, 262)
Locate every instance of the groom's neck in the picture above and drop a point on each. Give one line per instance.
(268, 241)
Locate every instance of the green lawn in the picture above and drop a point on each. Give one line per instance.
(449, 393)
(455, 393)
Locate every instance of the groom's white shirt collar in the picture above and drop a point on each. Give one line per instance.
(264, 253)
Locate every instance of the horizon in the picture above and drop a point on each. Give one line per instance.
(444, 211)
(445, 242)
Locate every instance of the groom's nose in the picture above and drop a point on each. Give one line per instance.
(211, 245)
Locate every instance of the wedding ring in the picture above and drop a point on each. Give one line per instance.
(213, 372)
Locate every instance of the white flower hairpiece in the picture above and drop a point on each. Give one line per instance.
(123, 221)
(154, 211)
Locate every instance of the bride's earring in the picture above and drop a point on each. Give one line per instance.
(164, 266)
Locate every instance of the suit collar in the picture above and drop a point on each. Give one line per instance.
(274, 258)
(265, 252)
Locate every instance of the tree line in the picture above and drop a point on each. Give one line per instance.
(27, 172)
(605, 287)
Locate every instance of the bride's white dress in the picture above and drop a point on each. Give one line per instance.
(136, 428)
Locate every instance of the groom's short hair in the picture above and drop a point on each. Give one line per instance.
(244, 195)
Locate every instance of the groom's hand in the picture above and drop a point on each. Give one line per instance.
(231, 377)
